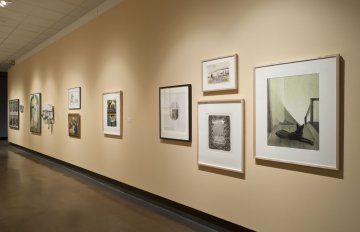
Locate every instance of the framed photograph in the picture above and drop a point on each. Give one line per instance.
(74, 125)
(21, 107)
(219, 74)
(175, 112)
(14, 114)
(74, 98)
(35, 113)
(220, 134)
(294, 102)
(112, 105)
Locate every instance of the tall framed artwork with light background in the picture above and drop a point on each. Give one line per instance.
(297, 112)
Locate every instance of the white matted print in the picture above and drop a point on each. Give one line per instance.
(175, 112)
(74, 98)
(112, 104)
(219, 74)
(296, 112)
(220, 134)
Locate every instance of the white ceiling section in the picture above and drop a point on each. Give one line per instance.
(26, 24)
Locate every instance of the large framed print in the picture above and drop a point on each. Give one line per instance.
(175, 112)
(297, 112)
(74, 126)
(14, 114)
(35, 113)
(112, 105)
(74, 98)
(220, 134)
(219, 74)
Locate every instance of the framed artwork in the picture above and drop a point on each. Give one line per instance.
(14, 114)
(220, 134)
(74, 125)
(48, 115)
(35, 113)
(219, 74)
(297, 112)
(74, 98)
(112, 105)
(21, 107)
(175, 112)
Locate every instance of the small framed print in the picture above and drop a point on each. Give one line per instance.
(219, 74)
(35, 113)
(297, 112)
(74, 125)
(74, 98)
(14, 114)
(112, 107)
(220, 134)
(175, 112)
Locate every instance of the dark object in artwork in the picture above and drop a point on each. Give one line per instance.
(296, 135)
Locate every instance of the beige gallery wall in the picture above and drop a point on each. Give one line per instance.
(141, 45)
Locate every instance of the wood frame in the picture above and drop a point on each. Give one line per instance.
(231, 159)
(77, 91)
(77, 118)
(327, 154)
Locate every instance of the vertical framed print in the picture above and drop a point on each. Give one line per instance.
(175, 112)
(74, 98)
(297, 112)
(14, 114)
(112, 107)
(35, 113)
(220, 134)
(219, 74)
(74, 125)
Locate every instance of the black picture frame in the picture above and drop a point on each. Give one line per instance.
(14, 119)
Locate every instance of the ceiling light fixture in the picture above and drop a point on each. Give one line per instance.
(3, 3)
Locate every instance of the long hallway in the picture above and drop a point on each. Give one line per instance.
(38, 195)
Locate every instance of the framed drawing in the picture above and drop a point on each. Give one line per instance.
(74, 98)
(294, 102)
(74, 125)
(112, 105)
(14, 114)
(35, 113)
(219, 74)
(175, 112)
(220, 134)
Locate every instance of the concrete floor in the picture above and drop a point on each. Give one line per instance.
(37, 195)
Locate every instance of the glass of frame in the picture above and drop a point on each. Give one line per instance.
(112, 110)
(35, 113)
(220, 134)
(74, 125)
(219, 74)
(14, 114)
(74, 98)
(175, 112)
(297, 112)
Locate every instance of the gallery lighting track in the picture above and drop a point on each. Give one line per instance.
(4, 3)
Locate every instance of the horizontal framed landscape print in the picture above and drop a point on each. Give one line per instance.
(35, 113)
(112, 105)
(220, 134)
(297, 112)
(74, 98)
(74, 125)
(175, 112)
(219, 74)
(14, 114)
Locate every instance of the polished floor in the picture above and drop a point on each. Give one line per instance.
(37, 195)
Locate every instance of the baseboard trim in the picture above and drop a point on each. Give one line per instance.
(203, 218)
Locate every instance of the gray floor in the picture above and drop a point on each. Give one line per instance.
(37, 195)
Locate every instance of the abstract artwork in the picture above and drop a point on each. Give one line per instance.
(219, 74)
(35, 113)
(14, 114)
(220, 134)
(112, 104)
(296, 113)
(175, 112)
